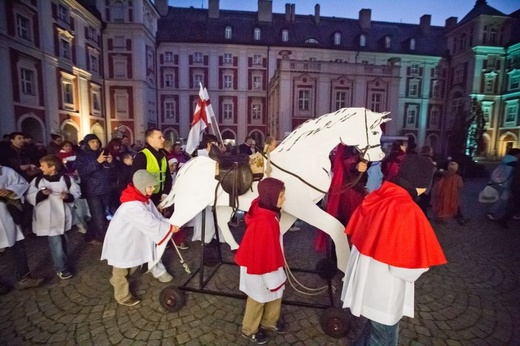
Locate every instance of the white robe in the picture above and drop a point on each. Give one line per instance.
(378, 291)
(10, 232)
(132, 235)
(259, 287)
(52, 216)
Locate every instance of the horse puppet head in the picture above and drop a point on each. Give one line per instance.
(358, 127)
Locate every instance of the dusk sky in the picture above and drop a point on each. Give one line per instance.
(406, 11)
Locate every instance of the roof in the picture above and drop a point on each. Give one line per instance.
(481, 8)
(193, 25)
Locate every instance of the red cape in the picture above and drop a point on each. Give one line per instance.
(131, 194)
(391, 228)
(260, 250)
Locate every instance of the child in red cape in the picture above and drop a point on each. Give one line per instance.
(393, 244)
(262, 275)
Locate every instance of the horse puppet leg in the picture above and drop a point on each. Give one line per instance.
(223, 216)
(307, 211)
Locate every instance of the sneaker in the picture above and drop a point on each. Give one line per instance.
(280, 328)
(183, 246)
(259, 337)
(65, 275)
(28, 281)
(166, 277)
(130, 302)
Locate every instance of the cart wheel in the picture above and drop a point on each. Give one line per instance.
(171, 298)
(326, 268)
(335, 322)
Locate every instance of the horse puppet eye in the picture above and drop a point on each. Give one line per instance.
(375, 133)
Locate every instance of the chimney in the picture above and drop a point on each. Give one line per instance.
(162, 7)
(293, 12)
(265, 10)
(317, 13)
(450, 23)
(287, 12)
(425, 23)
(364, 18)
(213, 10)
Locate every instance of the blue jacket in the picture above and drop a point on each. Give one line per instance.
(96, 178)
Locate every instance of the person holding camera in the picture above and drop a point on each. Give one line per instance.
(96, 169)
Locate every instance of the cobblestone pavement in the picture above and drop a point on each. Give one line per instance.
(473, 300)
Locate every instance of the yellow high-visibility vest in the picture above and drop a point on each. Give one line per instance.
(152, 166)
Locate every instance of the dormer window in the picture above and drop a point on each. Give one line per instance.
(117, 12)
(412, 44)
(256, 34)
(285, 35)
(362, 40)
(337, 39)
(388, 41)
(228, 33)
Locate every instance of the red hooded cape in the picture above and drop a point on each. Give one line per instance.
(260, 250)
(391, 228)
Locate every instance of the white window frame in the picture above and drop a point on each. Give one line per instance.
(227, 81)
(411, 116)
(257, 34)
(121, 104)
(228, 32)
(340, 99)
(29, 93)
(377, 101)
(169, 110)
(257, 59)
(436, 89)
(24, 27)
(169, 79)
(412, 44)
(63, 13)
(27, 81)
(435, 115)
(510, 112)
(489, 83)
(414, 69)
(362, 40)
(227, 58)
(257, 82)
(65, 48)
(388, 42)
(227, 111)
(285, 35)
(256, 112)
(168, 56)
(514, 80)
(67, 91)
(120, 66)
(304, 100)
(94, 62)
(198, 57)
(96, 101)
(198, 77)
(487, 110)
(413, 88)
(337, 39)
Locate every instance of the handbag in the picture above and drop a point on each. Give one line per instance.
(15, 209)
(488, 195)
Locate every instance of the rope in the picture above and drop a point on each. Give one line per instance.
(293, 282)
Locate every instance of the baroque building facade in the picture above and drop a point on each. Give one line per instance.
(114, 67)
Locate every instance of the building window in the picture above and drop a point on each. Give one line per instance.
(337, 39)
(341, 99)
(412, 44)
(168, 80)
(388, 41)
(257, 34)
(63, 13)
(92, 33)
(414, 69)
(117, 12)
(197, 57)
(120, 68)
(197, 80)
(228, 58)
(304, 98)
(121, 103)
(413, 88)
(434, 118)
(257, 82)
(489, 86)
(487, 109)
(256, 112)
(168, 56)
(411, 116)
(228, 81)
(65, 49)
(362, 40)
(169, 110)
(257, 59)
(514, 81)
(376, 102)
(228, 33)
(227, 111)
(436, 89)
(96, 102)
(285, 35)
(27, 79)
(457, 107)
(511, 112)
(23, 27)
(68, 95)
(94, 63)
(459, 76)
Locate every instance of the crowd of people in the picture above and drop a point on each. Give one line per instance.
(113, 193)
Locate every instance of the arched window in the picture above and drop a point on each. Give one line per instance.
(337, 39)
(257, 35)
(228, 33)
(387, 42)
(362, 40)
(412, 44)
(285, 35)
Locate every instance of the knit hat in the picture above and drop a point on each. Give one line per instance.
(172, 161)
(142, 179)
(417, 170)
(269, 190)
(90, 137)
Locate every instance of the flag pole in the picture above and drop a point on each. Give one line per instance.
(214, 124)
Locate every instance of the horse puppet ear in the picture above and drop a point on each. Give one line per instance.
(380, 119)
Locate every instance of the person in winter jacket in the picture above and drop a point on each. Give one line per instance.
(133, 234)
(260, 257)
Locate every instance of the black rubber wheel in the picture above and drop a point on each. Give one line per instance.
(171, 298)
(335, 322)
(326, 268)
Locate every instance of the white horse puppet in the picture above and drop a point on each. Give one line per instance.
(301, 161)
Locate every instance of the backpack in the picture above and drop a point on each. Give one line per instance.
(500, 174)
